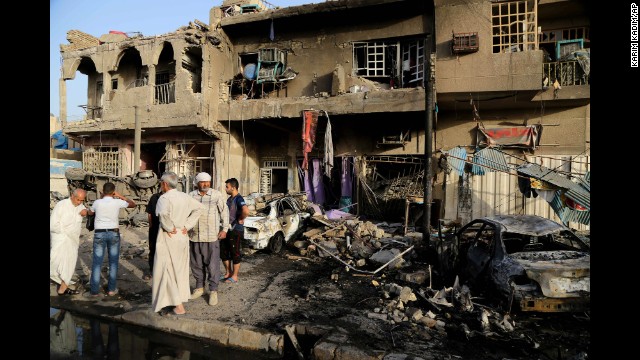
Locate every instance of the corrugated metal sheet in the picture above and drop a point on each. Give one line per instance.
(489, 160)
(574, 191)
(498, 193)
(458, 162)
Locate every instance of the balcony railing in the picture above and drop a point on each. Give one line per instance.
(138, 83)
(165, 93)
(568, 73)
(93, 112)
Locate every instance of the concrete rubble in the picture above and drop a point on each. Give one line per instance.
(354, 248)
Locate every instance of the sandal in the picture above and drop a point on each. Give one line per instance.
(69, 292)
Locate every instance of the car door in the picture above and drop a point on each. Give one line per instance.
(480, 251)
(289, 218)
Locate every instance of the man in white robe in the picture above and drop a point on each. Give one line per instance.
(64, 227)
(178, 213)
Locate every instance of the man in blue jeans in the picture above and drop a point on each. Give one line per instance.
(107, 236)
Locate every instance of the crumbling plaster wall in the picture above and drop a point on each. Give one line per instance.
(359, 135)
(314, 52)
(118, 107)
(240, 160)
(482, 70)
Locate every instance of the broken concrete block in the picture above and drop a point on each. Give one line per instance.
(384, 256)
(377, 310)
(400, 306)
(329, 246)
(430, 314)
(397, 319)
(395, 289)
(378, 233)
(338, 82)
(377, 244)
(109, 38)
(406, 295)
(440, 324)
(360, 249)
(377, 316)
(312, 233)
(414, 314)
(361, 262)
(427, 321)
(375, 283)
(416, 277)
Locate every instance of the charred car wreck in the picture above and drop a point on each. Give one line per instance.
(277, 221)
(531, 263)
(138, 187)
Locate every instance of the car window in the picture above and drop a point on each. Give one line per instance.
(485, 237)
(265, 210)
(287, 208)
(569, 239)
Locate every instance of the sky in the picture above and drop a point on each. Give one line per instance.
(150, 17)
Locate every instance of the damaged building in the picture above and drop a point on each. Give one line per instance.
(330, 99)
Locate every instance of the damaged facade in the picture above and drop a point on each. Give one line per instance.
(329, 98)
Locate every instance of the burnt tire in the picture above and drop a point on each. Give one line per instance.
(276, 243)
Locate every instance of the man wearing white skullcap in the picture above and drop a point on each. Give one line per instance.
(204, 246)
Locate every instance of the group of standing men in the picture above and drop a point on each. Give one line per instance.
(192, 231)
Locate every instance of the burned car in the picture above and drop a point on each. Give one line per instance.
(280, 220)
(530, 262)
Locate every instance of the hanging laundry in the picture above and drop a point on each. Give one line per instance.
(309, 124)
(328, 148)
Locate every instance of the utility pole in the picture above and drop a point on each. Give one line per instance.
(428, 81)
(136, 141)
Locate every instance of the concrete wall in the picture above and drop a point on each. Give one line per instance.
(482, 70)
(118, 105)
(315, 45)
(566, 127)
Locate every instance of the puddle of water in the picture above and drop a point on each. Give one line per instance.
(77, 337)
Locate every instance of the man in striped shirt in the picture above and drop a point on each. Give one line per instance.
(204, 246)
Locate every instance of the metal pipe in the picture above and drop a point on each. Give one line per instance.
(136, 141)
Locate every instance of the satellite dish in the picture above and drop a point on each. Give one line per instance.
(249, 71)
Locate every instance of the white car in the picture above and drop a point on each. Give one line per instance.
(281, 220)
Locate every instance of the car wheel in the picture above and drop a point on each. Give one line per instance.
(276, 243)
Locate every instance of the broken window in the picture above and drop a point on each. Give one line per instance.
(260, 74)
(398, 63)
(192, 62)
(412, 64)
(165, 89)
(514, 26)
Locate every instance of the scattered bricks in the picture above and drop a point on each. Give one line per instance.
(395, 289)
(377, 316)
(414, 313)
(375, 283)
(361, 262)
(428, 322)
(311, 233)
(112, 38)
(407, 295)
(430, 314)
(417, 277)
(400, 306)
(330, 246)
